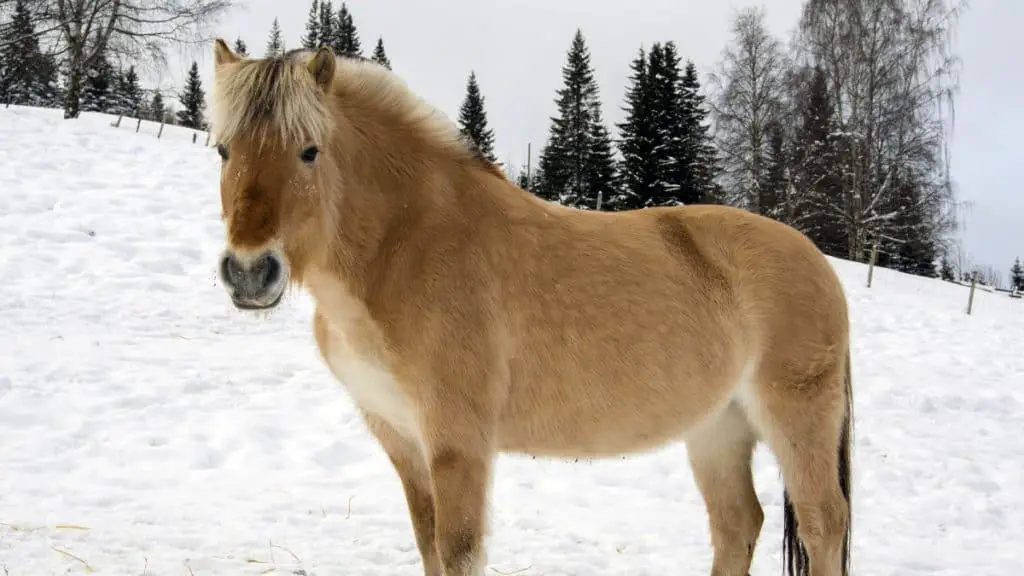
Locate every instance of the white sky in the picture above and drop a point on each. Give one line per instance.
(517, 48)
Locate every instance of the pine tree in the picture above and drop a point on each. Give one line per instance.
(99, 91)
(311, 40)
(27, 76)
(157, 110)
(379, 56)
(638, 141)
(699, 163)
(602, 178)
(567, 170)
(946, 271)
(666, 91)
(347, 37)
(773, 188)
(1017, 276)
(816, 169)
(275, 43)
(473, 120)
(328, 27)
(240, 48)
(193, 100)
(129, 95)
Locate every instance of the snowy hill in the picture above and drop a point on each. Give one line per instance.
(148, 428)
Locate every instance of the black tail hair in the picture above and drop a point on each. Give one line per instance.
(794, 555)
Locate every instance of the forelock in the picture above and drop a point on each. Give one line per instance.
(270, 98)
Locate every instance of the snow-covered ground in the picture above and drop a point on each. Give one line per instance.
(146, 427)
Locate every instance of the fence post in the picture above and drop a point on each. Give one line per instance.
(161, 131)
(871, 264)
(207, 138)
(970, 297)
(194, 135)
(138, 125)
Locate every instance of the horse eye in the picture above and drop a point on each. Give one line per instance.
(309, 154)
(223, 151)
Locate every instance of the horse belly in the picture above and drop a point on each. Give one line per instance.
(371, 386)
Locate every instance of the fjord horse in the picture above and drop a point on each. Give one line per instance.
(467, 317)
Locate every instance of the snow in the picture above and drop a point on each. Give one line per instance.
(146, 427)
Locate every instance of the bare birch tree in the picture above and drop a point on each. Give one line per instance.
(137, 31)
(747, 93)
(889, 74)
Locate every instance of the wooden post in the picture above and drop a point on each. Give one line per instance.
(138, 125)
(160, 132)
(117, 123)
(871, 264)
(970, 297)
(529, 149)
(207, 138)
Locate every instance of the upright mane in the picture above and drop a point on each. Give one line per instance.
(279, 97)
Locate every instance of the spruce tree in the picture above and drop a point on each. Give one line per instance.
(192, 100)
(347, 37)
(666, 92)
(773, 189)
(473, 120)
(240, 48)
(328, 27)
(27, 76)
(275, 43)
(816, 169)
(1016, 276)
(311, 40)
(379, 55)
(567, 170)
(698, 154)
(157, 110)
(946, 269)
(129, 95)
(99, 93)
(637, 140)
(602, 178)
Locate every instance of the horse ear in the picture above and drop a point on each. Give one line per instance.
(322, 66)
(222, 54)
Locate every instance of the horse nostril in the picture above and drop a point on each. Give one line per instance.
(266, 270)
(231, 270)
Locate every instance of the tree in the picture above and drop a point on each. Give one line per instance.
(131, 30)
(473, 120)
(240, 48)
(27, 76)
(1017, 276)
(666, 91)
(749, 98)
(572, 166)
(328, 27)
(129, 95)
(157, 110)
(379, 56)
(946, 271)
(891, 79)
(99, 90)
(346, 36)
(815, 165)
(192, 100)
(312, 40)
(698, 156)
(275, 43)
(638, 141)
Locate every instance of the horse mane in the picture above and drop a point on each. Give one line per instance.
(278, 97)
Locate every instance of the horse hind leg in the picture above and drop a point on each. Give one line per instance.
(807, 426)
(720, 452)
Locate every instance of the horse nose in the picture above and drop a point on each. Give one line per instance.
(250, 280)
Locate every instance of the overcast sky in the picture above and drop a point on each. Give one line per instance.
(517, 48)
